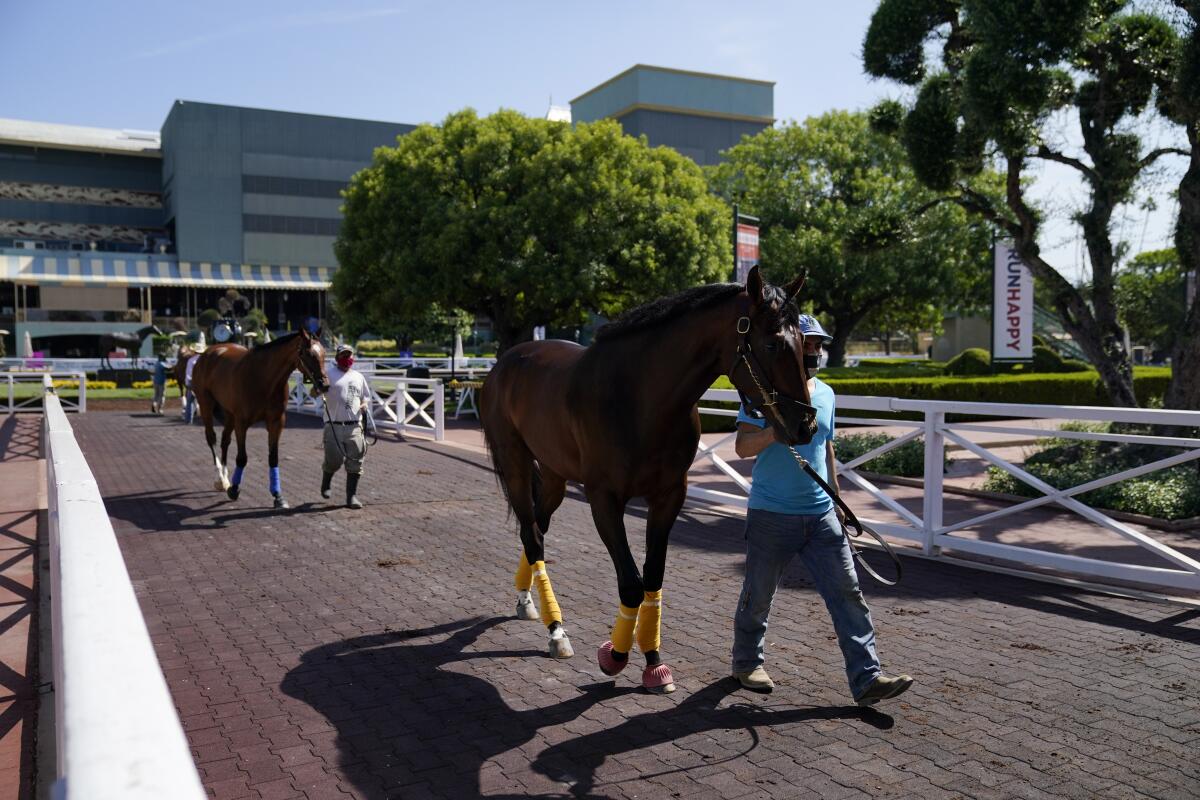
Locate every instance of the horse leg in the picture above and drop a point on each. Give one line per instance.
(608, 512)
(226, 437)
(664, 508)
(519, 475)
(548, 493)
(235, 488)
(210, 436)
(274, 429)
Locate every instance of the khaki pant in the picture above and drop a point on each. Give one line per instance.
(353, 444)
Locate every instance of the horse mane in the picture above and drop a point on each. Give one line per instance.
(276, 344)
(666, 309)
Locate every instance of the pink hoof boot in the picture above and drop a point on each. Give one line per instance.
(608, 664)
(658, 679)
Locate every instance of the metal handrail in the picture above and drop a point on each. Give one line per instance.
(117, 732)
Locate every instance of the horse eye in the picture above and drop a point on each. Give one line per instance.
(772, 347)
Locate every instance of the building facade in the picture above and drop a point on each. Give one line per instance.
(105, 230)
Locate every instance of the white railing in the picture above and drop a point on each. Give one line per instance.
(72, 364)
(30, 400)
(932, 534)
(407, 408)
(117, 733)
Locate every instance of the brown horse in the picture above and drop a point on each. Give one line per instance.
(251, 386)
(620, 417)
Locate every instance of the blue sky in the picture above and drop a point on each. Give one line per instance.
(121, 64)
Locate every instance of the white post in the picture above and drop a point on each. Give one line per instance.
(935, 447)
(12, 395)
(439, 412)
(82, 392)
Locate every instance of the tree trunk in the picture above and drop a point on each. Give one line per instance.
(1184, 390)
(887, 344)
(508, 331)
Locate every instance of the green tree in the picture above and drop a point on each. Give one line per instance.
(1182, 105)
(1150, 296)
(524, 221)
(839, 199)
(1006, 67)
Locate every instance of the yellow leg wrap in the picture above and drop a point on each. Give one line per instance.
(622, 632)
(546, 600)
(524, 577)
(649, 621)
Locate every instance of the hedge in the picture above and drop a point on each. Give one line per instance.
(1059, 389)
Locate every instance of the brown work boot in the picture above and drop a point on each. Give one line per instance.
(756, 680)
(884, 688)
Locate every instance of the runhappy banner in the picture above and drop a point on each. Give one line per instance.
(1012, 306)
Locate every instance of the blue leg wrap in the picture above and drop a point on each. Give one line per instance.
(237, 476)
(275, 490)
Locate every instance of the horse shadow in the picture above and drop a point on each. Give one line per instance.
(157, 511)
(403, 715)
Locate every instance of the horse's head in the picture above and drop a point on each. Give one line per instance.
(768, 368)
(310, 359)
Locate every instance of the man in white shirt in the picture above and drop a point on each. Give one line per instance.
(189, 407)
(347, 398)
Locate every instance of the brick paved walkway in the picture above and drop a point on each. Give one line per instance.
(325, 653)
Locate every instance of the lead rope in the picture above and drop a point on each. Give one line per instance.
(851, 521)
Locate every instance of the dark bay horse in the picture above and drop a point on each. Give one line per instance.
(132, 342)
(251, 386)
(620, 417)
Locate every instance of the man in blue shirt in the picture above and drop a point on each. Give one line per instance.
(788, 515)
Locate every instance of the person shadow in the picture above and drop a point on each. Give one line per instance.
(404, 715)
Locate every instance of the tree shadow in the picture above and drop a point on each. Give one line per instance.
(403, 716)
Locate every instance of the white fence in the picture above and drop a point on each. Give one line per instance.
(932, 534)
(117, 733)
(406, 409)
(30, 399)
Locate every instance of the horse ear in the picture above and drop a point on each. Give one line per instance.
(754, 285)
(793, 288)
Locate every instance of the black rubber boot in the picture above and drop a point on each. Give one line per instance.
(326, 481)
(351, 488)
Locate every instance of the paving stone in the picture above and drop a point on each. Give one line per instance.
(372, 654)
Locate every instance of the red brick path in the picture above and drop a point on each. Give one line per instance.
(22, 495)
(324, 653)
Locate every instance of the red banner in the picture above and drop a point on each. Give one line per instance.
(746, 249)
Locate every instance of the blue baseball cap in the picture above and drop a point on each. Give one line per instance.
(810, 327)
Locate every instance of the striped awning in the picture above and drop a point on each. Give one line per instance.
(142, 270)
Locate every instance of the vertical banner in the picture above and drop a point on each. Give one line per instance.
(1012, 306)
(745, 251)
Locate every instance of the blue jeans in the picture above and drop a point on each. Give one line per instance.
(771, 542)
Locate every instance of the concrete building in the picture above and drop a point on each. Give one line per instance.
(695, 113)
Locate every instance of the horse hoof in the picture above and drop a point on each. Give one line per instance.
(281, 503)
(658, 679)
(233, 492)
(526, 610)
(219, 485)
(608, 664)
(561, 648)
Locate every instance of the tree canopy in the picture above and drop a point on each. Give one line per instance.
(840, 199)
(525, 221)
(1006, 67)
(1151, 294)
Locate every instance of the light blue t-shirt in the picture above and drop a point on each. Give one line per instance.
(779, 484)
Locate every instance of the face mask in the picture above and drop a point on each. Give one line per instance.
(345, 362)
(812, 363)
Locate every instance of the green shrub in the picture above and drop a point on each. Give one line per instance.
(1167, 494)
(972, 361)
(907, 460)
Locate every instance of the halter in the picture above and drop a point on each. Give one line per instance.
(308, 376)
(770, 397)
